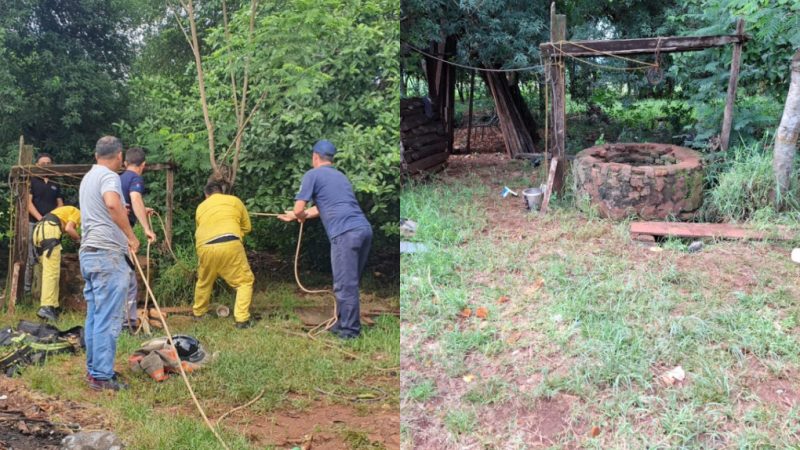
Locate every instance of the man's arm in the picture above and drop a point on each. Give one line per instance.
(291, 216)
(71, 230)
(120, 217)
(59, 202)
(139, 210)
(300, 210)
(32, 209)
(247, 227)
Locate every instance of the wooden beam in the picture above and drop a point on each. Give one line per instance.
(669, 44)
(168, 219)
(14, 292)
(74, 169)
(707, 230)
(727, 118)
(469, 113)
(551, 176)
(558, 30)
(25, 157)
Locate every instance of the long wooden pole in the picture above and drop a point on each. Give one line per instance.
(558, 31)
(727, 118)
(469, 114)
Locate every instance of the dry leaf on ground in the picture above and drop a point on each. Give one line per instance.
(466, 312)
(482, 312)
(503, 299)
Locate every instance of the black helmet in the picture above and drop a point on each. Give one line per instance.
(188, 348)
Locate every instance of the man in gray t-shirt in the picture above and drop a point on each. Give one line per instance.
(106, 239)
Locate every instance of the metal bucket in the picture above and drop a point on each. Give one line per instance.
(533, 198)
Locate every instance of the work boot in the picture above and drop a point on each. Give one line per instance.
(243, 325)
(113, 384)
(47, 313)
(199, 318)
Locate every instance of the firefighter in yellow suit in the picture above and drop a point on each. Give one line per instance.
(47, 244)
(222, 221)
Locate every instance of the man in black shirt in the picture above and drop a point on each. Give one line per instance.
(44, 197)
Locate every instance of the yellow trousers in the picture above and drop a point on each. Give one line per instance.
(51, 265)
(229, 261)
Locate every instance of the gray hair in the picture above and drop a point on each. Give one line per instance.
(107, 147)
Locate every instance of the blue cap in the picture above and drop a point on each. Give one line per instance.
(325, 148)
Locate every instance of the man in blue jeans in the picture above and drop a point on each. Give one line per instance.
(347, 229)
(106, 239)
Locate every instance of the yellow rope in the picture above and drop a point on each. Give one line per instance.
(610, 55)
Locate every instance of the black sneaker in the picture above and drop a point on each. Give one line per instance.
(243, 325)
(114, 384)
(47, 313)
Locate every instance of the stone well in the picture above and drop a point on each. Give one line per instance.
(651, 181)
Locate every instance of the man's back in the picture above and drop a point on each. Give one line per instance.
(218, 215)
(99, 230)
(333, 195)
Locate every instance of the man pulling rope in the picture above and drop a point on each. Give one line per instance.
(347, 228)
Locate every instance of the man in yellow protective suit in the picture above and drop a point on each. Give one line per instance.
(47, 244)
(222, 221)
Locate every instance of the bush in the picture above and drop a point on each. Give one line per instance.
(742, 185)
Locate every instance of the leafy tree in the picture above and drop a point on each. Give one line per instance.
(64, 70)
(324, 70)
(774, 26)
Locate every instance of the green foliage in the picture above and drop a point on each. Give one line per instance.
(774, 26)
(64, 65)
(743, 184)
(325, 70)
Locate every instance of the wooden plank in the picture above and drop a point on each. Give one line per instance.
(170, 195)
(469, 113)
(558, 30)
(21, 236)
(669, 44)
(75, 169)
(16, 279)
(727, 118)
(25, 157)
(551, 176)
(707, 230)
(427, 163)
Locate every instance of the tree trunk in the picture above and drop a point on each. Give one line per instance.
(516, 133)
(787, 134)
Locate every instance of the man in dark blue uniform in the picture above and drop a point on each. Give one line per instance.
(347, 228)
(44, 196)
(133, 190)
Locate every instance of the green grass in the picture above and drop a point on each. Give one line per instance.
(287, 368)
(611, 317)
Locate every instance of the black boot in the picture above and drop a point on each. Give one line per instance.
(48, 313)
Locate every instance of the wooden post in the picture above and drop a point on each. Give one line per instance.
(558, 31)
(551, 177)
(21, 237)
(727, 118)
(16, 275)
(170, 193)
(469, 114)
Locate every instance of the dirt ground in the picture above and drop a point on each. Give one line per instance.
(32, 421)
(546, 421)
(483, 140)
(326, 426)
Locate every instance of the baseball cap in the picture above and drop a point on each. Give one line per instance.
(325, 148)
